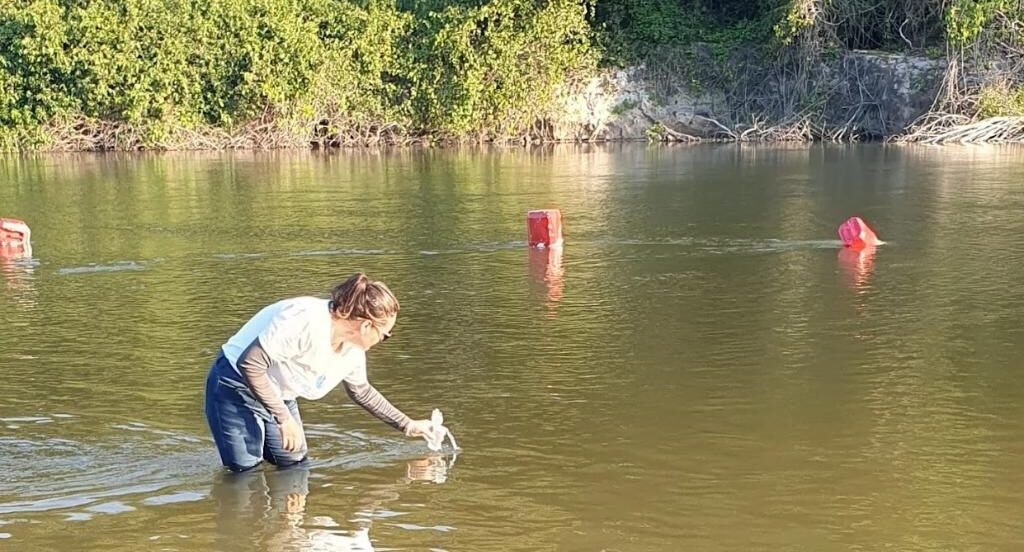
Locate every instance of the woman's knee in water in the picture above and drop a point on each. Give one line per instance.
(283, 459)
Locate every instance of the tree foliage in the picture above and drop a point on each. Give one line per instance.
(159, 65)
(315, 69)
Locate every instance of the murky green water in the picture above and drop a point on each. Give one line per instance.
(701, 369)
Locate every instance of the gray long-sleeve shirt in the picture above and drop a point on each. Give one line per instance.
(254, 362)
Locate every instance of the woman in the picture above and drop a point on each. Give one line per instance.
(299, 347)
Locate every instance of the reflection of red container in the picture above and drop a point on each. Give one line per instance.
(544, 228)
(546, 269)
(856, 263)
(14, 235)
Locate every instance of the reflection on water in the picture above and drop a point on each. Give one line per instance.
(267, 509)
(18, 271)
(856, 266)
(702, 366)
(433, 468)
(149, 470)
(546, 269)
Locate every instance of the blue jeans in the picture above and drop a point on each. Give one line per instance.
(242, 428)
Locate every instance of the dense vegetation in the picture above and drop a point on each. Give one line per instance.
(125, 74)
(778, 61)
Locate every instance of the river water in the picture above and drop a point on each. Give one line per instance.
(701, 367)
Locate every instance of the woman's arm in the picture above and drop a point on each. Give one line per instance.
(367, 396)
(254, 363)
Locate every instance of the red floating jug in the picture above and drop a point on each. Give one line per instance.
(856, 233)
(14, 235)
(544, 228)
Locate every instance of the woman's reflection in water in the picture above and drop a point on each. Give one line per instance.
(266, 509)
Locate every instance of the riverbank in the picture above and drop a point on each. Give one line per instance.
(123, 75)
(876, 97)
(871, 96)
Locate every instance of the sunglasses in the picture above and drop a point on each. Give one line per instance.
(384, 336)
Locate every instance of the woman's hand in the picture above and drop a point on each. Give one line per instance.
(292, 436)
(418, 428)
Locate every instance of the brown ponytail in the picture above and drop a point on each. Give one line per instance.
(360, 297)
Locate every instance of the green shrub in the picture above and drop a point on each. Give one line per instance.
(160, 65)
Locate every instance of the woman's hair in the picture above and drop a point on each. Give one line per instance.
(361, 297)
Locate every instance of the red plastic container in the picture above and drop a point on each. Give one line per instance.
(856, 234)
(544, 228)
(14, 235)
